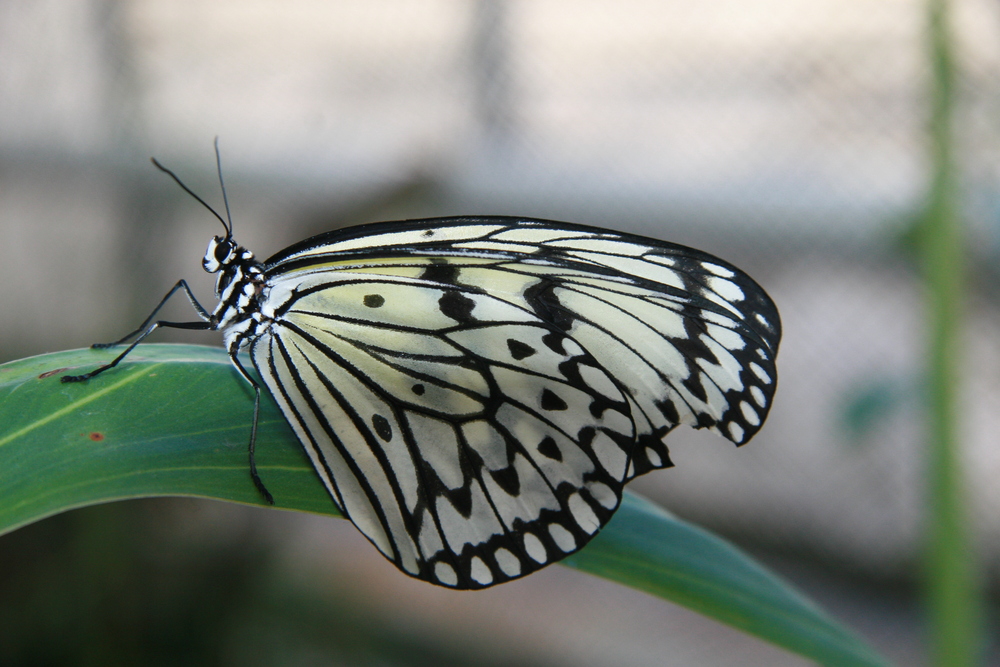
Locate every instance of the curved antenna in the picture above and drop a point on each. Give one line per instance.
(222, 184)
(229, 231)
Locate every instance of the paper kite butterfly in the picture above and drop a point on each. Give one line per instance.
(476, 391)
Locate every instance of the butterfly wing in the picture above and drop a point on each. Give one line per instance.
(689, 338)
(471, 441)
(475, 392)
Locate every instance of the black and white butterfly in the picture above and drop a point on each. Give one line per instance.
(475, 391)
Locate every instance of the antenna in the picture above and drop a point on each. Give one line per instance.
(222, 184)
(229, 229)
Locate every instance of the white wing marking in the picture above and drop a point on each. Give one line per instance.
(477, 528)
(562, 537)
(537, 235)
(602, 246)
(404, 238)
(438, 445)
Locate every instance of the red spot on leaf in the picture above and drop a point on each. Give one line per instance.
(96, 436)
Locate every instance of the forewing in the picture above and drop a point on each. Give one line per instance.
(471, 440)
(689, 338)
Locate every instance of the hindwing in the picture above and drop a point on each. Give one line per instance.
(469, 440)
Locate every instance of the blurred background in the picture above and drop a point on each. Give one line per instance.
(787, 136)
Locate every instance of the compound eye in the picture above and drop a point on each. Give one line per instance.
(223, 250)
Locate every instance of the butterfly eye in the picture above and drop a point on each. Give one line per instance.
(223, 250)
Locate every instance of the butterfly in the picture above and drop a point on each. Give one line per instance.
(474, 392)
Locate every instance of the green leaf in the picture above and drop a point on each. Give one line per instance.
(175, 420)
(648, 548)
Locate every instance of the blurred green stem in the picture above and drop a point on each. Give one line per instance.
(953, 609)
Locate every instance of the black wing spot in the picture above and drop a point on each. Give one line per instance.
(519, 350)
(669, 411)
(554, 342)
(382, 427)
(441, 272)
(461, 499)
(549, 448)
(457, 306)
(551, 401)
(543, 300)
(428, 232)
(693, 384)
(507, 479)
(418, 389)
(374, 300)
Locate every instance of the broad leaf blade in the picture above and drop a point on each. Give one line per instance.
(171, 420)
(175, 420)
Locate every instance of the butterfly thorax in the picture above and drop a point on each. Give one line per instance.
(238, 286)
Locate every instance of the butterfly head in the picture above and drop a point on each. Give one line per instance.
(222, 252)
(235, 265)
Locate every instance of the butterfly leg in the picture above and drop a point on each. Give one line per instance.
(253, 429)
(148, 327)
(198, 326)
(181, 285)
